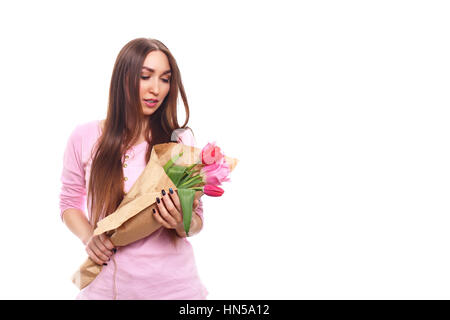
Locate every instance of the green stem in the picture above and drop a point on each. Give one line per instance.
(192, 184)
(195, 179)
(191, 166)
(188, 176)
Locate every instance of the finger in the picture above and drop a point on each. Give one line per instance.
(93, 256)
(171, 208)
(195, 204)
(159, 219)
(99, 253)
(102, 250)
(107, 242)
(198, 195)
(197, 198)
(165, 214)
(100, 244)
(175, 199)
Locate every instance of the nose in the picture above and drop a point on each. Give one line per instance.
(153, 86)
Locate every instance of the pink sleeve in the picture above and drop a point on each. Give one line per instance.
(73, 190)
(186, 137)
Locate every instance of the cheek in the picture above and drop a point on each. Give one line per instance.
(166, 90)
(141, 89)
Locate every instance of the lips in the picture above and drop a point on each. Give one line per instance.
(150, 104)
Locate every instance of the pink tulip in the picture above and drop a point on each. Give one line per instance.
(215, 174)
(212, 191)
(211, 154)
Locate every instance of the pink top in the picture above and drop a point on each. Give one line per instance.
(150, 268)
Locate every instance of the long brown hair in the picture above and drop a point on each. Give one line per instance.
(124, 122)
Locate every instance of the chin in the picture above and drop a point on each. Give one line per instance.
(147, 111)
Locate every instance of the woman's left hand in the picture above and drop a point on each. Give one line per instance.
(168, 211)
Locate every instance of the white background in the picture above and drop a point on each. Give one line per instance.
(338, 112)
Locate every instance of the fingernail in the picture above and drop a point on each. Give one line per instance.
(154, 211)
(105, 264)
(163, 192)
(170, 190)
(114, 250)
(157, 199)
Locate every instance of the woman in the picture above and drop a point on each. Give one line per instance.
(104, 158)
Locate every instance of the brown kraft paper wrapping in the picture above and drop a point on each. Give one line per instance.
(133, 219)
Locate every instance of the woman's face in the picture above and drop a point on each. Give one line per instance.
(155, 81)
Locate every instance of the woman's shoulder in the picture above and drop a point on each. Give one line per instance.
(88, 126)
(84, 135)
(83, 138)
(87, 129)
(184, 136)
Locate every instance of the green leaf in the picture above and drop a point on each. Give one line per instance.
(185, 178)
(187, 200)
(176, 173)
(188, 176)
(185, 175)
(172, 161)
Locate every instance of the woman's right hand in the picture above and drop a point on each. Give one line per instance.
(100, 248)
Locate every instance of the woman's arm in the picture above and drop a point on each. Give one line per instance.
(99, 248)
(77, 222)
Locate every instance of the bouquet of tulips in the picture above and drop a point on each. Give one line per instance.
(205, 175)
(190, 170)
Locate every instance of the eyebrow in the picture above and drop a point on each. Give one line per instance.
(151, 70)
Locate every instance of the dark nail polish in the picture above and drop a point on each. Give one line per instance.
(114, 250)
(157, 199)
(171, 190)
(163, 192)
(105, 264)
(154, 211)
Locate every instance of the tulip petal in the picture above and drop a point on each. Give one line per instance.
(212, 190)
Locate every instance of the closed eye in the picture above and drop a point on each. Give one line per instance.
(147, 77)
